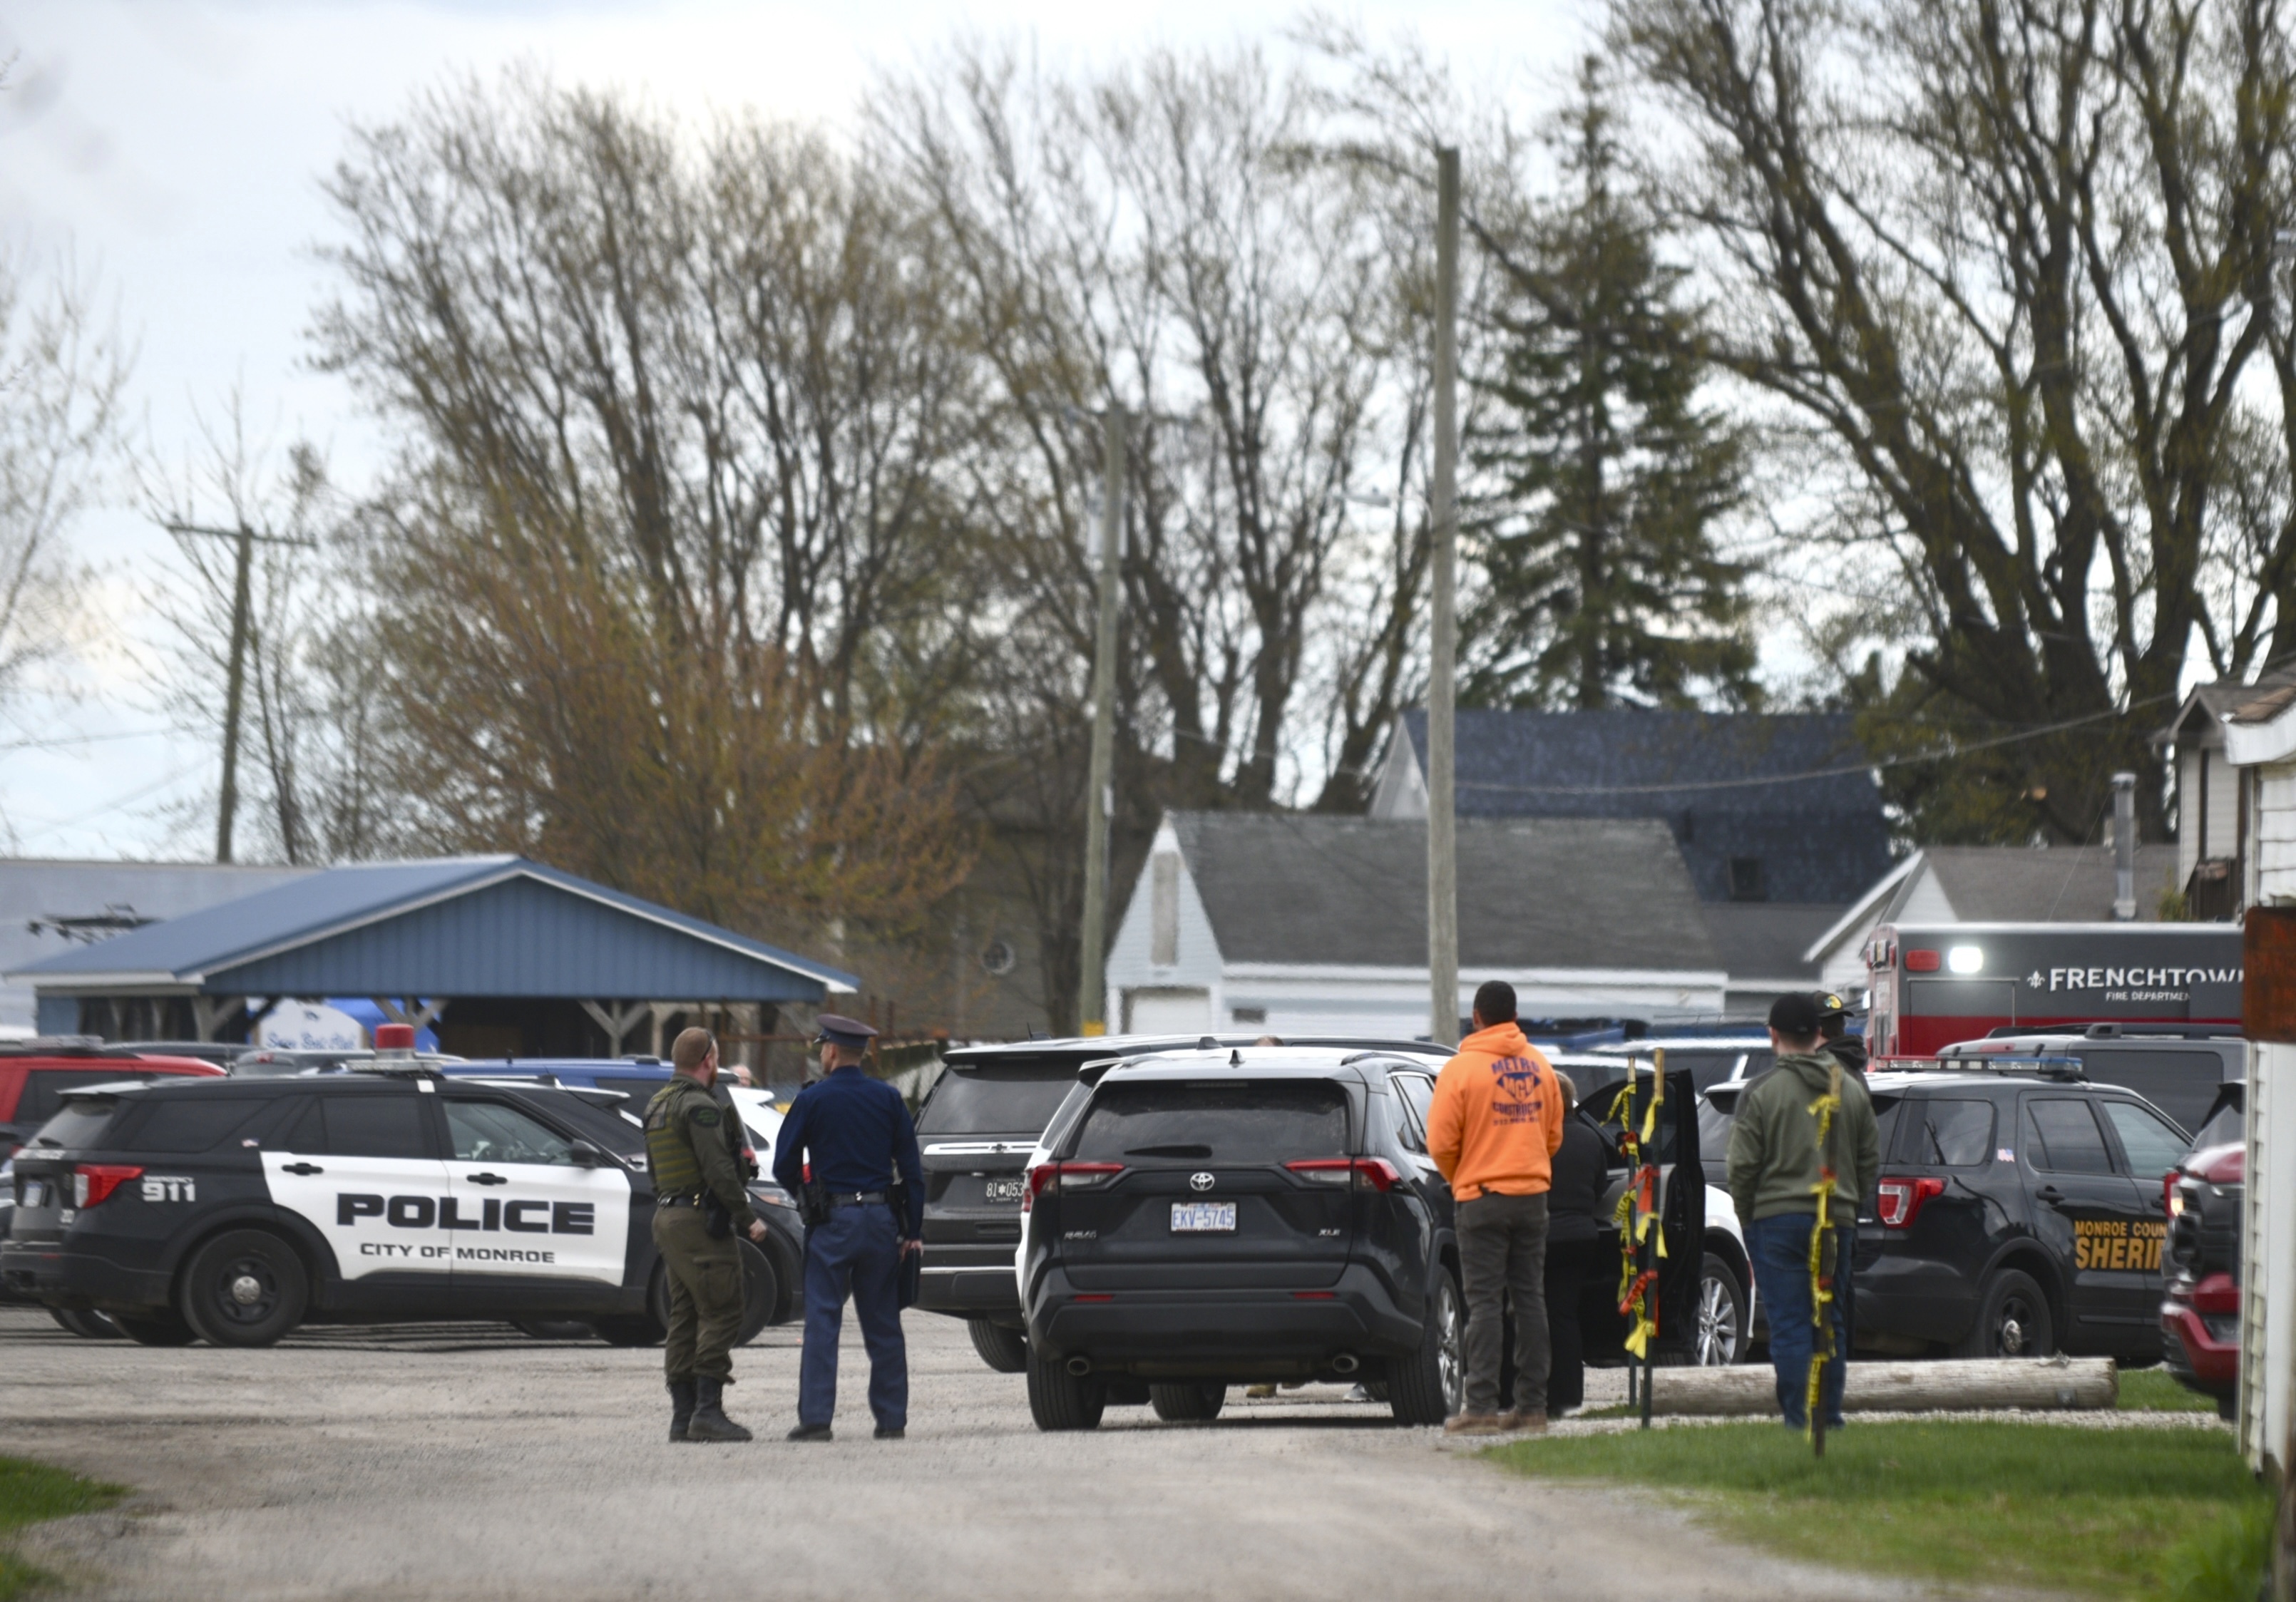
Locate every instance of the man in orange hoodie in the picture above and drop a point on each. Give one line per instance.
(1493, 1129)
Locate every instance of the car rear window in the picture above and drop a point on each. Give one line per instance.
(1948, 1130)
(80, 1126)
(180, 1124)
(1257, 1121)
(359, 1126)
(995, 1100)
(43, 1096)
(2182, 1083)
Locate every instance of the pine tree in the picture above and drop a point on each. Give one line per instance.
(1605, 586)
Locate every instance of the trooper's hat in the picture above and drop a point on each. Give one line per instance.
(1831, 1005)
(847, 1032)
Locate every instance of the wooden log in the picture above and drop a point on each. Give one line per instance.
(2056, 1384)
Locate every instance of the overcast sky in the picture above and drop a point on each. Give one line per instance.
(174, 146)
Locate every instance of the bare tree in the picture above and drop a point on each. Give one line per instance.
(2011, 265)
(61, 377)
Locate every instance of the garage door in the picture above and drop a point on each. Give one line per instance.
(1168, 1011)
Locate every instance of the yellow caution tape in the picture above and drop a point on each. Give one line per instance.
(1821, 1283)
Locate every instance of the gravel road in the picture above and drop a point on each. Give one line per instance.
(453, 1461)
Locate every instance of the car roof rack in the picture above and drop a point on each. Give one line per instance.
(2064, 1069)
(2112, 1029)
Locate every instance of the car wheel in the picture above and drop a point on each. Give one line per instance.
(1429, 1385)
(1059, 1399)
(1187, 1403)
(761, 1293)
(86, 1323)
(1721, 1314)
(162, 1327)
(1002, 1349)
(2012, 1320)
(244, 1288)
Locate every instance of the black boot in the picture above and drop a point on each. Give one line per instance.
(681, 1407)
(709, 1422)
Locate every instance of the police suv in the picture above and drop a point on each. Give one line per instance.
(232, 1210)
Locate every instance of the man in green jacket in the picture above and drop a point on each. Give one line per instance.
(1778, 1171)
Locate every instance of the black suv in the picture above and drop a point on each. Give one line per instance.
(1222, 1216)
(232, 1210)
(978, 1125)
(2018, 1212)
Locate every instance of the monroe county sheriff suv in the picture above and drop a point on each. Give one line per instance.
(232, 1210)
(2018, 1212)
(1210, 1217)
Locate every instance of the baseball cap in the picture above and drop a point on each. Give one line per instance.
(1795, 1014)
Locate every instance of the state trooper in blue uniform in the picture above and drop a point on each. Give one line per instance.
(852, 1131)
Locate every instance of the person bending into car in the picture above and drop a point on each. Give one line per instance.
(1775, 1172)
(1493, 1129)
(1574, 1202)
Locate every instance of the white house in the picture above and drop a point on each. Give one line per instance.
(1986, 884)
(2260, 745)
(1314, 924)
(2211, 796)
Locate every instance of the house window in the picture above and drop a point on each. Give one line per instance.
(1249, 1015)
(1746, 883)
(1164, 910)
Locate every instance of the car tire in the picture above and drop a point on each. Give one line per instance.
(1059, 1399)
(246, 1287)
(1002, 1349)
(1429, 1385)
(160, 1327)
(2012, 1320)
(761, 1293)
(86, 1323)
(1721, 1338)
(1191, 1402)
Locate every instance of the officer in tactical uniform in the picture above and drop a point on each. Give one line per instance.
(852, 1132)
(694, 1150)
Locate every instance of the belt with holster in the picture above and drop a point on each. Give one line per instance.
(859, 1199)
(680, 1201)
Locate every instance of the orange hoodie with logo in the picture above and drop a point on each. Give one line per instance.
(1497, 1117)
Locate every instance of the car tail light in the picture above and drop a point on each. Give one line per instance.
(92, 1182)
(2216, 1293)
(1897, 1202)
(1045, 1177)
(1361, 1174)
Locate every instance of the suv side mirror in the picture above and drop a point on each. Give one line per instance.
(586, 1155)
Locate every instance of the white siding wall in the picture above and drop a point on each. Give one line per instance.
(2222, 828)
(1196, 965)
(2275, 827)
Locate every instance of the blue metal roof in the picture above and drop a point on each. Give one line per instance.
(488, 925)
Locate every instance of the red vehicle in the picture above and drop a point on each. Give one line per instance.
(1934, 984)
(2199, 1309)
(35, 1073)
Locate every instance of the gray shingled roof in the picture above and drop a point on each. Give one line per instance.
(1766, 940)
(1818, 830)
(1533, 892)
(2009, 884)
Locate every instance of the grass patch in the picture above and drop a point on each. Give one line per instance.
(31, 1493)
(2151, 1513)
(2157, 1391)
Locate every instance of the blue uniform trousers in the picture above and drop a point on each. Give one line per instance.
(1780, 1248)
(856, 1250)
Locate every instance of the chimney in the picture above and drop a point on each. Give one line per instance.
(2124, 847)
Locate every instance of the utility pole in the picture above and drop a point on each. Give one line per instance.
(1442, 826)
(1092, 1006)
(235, 690)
